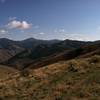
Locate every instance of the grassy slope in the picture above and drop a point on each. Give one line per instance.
(6, 72)
(77, 79)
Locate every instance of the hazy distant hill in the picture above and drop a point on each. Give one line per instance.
(81, 52)
(9, 48)
(37, 53)
(44, 49)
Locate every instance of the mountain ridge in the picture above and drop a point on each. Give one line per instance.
(33, 52)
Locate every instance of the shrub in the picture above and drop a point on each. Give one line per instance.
(94, 59)
(72, 68)
(24, 73)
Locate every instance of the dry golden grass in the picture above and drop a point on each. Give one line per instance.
(77, 79)
(6, 72)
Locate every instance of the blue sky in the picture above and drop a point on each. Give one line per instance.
(50, 19)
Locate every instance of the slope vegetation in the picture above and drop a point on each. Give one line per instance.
(76, 79)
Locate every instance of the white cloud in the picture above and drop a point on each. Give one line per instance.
(2, 31)
(59, 30)
(14, 24)
(80, 37)
(62, 30)
(41, 33)
(98, 29)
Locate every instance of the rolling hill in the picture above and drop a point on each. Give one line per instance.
(9, 48)
(44, 56)
(64, 70)
(77, 79)
(44, 51)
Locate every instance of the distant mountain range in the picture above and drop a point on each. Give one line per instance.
(25, 52)
(9, 48)
(37, 53)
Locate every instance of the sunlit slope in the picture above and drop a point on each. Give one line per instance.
(77, 79)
